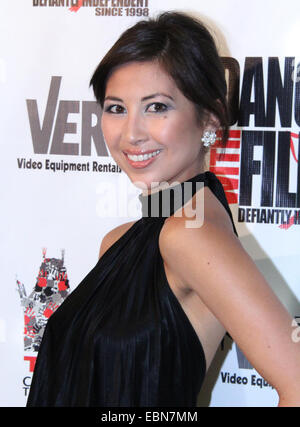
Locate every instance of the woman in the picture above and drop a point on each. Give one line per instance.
(143, 326)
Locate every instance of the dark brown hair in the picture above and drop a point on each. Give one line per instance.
(185, 49)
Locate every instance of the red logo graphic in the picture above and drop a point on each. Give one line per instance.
(294, 138)
(76, 8)
(51, 288)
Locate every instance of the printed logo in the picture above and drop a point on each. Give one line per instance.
(50, 131)
(259, 170)
(51, 288)
(236, 377)
(101, 7)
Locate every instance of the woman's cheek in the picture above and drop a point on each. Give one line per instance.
(109, 132)
(163, 131)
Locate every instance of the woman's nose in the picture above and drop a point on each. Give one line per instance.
(134, 129)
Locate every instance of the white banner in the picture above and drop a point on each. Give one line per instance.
(62, 192)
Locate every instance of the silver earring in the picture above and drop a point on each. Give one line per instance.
(209, 138)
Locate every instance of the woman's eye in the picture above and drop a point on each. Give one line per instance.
(115, 109)
(157, 107)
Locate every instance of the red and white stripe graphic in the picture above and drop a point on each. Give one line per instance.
(225, 164)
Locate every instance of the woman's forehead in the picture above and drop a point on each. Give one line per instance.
(145, 77)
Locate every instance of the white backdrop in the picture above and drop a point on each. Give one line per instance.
(53, 220)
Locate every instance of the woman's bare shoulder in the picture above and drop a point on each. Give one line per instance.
(211, 262)
(113, 235)
(210, 216)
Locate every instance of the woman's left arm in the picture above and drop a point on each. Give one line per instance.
(211, 261)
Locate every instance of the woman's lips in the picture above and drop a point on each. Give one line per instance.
(142, 163)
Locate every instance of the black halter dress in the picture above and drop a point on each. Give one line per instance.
(122, 338)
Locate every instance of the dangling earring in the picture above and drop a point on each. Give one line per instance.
(209, 138)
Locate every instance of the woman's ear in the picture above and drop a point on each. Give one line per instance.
(211, 123)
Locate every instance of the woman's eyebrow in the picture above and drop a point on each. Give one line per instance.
(145, 98)
(154, 95)
(113, 98)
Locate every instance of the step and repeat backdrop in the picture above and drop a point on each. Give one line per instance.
(61, 191)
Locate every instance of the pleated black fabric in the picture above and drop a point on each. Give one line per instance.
(122, 338)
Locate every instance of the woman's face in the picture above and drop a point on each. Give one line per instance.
(145, 113)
